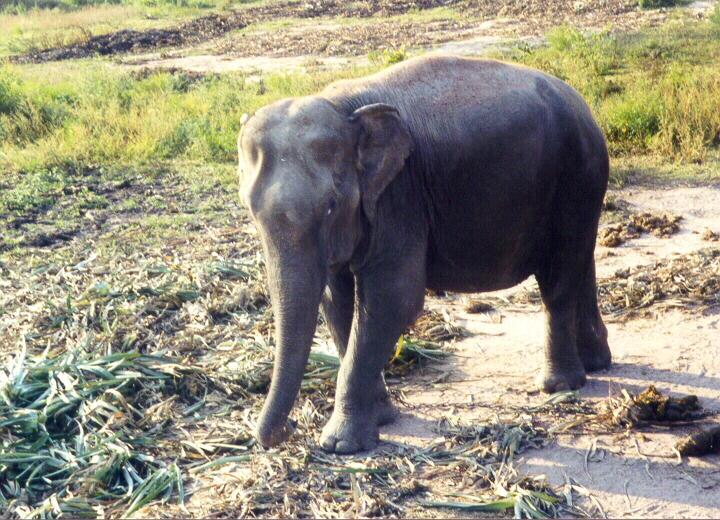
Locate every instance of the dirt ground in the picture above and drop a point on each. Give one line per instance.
(234, 41)
(633, 475)
(329, 43)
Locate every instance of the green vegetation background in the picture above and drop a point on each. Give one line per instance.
(655, 93)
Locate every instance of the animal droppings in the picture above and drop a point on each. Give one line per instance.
(709, 235)
(637, 224)
(478, 307)
(703, 442)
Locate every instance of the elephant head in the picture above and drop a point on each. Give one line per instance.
(311, 178)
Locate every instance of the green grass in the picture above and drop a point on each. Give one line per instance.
(655, 92)
(91, 113)
(388, 56)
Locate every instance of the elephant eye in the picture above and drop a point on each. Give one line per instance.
(331, 206)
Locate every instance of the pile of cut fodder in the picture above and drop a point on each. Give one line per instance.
(75, 438)
(681, 281)
(88, 435)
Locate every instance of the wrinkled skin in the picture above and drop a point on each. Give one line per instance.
(444, 173)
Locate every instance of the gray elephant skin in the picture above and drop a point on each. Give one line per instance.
(441, 172)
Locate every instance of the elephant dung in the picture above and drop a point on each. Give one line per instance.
(703, 442)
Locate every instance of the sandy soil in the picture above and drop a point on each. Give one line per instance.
(633, 475)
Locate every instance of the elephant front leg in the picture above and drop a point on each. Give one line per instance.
(386, 306)
(338, 304)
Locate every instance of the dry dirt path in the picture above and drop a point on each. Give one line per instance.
(632, 475)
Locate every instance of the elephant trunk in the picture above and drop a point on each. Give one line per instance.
(296, 282)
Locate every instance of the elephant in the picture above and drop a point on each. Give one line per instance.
(440, 172)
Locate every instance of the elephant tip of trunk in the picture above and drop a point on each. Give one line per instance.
(269, 436)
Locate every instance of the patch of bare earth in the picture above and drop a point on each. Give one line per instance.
(217, 34)
(526, 19)
(673, 345)
(478, 26)
(206, 28)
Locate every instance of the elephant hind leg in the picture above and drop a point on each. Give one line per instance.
(592, 341)
(564, 286)
(563, 368)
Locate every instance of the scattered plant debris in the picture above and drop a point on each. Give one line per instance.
(434, 326)
(625, 411)
(212, 26)
(538, 16)
(127, 40)
(682, 281)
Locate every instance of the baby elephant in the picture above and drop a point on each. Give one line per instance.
(441, 172)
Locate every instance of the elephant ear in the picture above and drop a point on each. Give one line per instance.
(383, 146)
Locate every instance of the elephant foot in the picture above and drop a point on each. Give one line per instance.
(592, 345)
(558, 380)
(595, 359)
(344, 435)
(387, 412)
